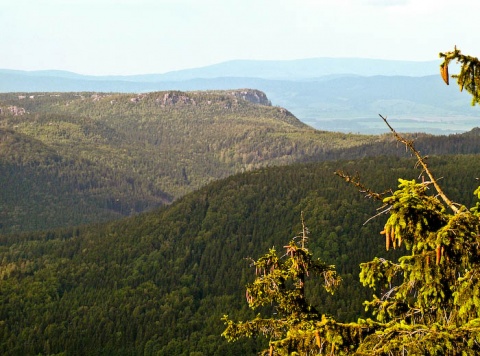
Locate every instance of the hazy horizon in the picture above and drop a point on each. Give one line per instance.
(134, 37)
(231, 61)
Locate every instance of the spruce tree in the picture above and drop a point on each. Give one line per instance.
(425, 303)
(295, 326)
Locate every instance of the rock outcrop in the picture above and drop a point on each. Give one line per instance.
(253, 96)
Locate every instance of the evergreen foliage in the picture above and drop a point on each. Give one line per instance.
(426, 303)
(469, 76)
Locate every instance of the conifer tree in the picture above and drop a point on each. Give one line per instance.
(425, 303)
(295, 326)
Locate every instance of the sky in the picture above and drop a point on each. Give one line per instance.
(125, 37)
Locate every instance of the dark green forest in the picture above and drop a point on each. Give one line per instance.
(159, 282)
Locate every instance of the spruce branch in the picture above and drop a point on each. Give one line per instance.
(469, 76)
(355, 180)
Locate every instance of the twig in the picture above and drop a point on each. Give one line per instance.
(355, 180)
(380, 213)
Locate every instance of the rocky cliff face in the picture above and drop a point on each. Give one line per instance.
(172, 98)
(252, 95)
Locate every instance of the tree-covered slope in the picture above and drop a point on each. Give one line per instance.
(159, 282)
(76, 158)
(100, 156)
(36, 194)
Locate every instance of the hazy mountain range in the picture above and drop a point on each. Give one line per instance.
(337, 94)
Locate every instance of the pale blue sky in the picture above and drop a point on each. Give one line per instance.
(103, 37)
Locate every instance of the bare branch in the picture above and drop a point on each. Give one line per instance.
(378, 214)
(355, 180)
(421, 161)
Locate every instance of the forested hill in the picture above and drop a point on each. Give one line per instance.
(73, 158)
(159, 282)
(342, 95)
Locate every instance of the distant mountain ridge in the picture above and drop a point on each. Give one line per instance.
(334, 94)
(297, 69)
(265, 69)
